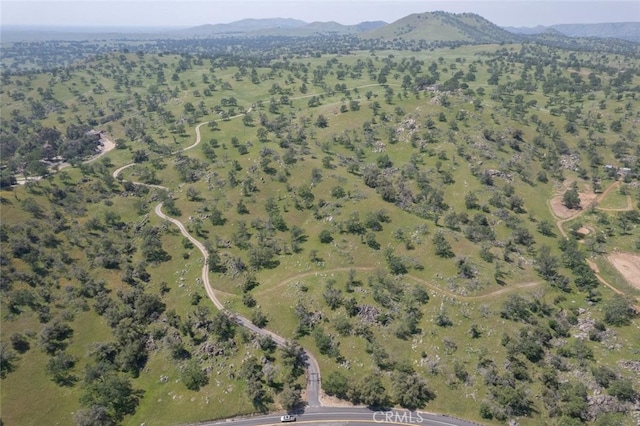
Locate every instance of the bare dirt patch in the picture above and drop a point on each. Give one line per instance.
(332, 401)
(628, 264)
(560, 211)
(584, 231)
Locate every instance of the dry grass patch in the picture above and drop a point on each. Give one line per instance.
(628, 265)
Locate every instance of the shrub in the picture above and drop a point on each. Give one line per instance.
(336, 384)
(325, 236)
(622, 389)
(617, 311)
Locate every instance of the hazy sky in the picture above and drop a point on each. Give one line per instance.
(183, 13)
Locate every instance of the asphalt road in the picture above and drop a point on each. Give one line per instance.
(352, 416)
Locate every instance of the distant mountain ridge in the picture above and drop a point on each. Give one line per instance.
(243, 26)
(444, 27)
(429, 27)
(370, 25)
(280, 27)
(623, 30)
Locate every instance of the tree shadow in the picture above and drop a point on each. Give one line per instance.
(262, 404)
(68, 380)
(271, 264)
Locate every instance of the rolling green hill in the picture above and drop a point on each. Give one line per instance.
(622, 30)
(443, 26)
(448, 229)
(311, 29)
(240, 27)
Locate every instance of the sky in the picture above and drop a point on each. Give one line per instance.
(188, 13)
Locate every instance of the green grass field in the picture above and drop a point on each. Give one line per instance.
(430, 151)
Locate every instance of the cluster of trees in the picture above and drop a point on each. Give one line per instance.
(532, 345)
(261, 375)
(30, 147)
(408, 388)
(76, 233)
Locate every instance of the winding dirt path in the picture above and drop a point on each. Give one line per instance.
(107, 145)
(313, 390)
(591, 263)
(203, 250)
(598, 199)
(506, 289)
(432, 286)
(313, 369)
(628, 208)
(596, 272)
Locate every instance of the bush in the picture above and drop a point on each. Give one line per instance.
(370, 391)
(324, 342)
(248, 300)
(442, 246)
(622, 389)
(410, 390)
(325, 236)
(193, 376)
(604, 375)
(485, 411)
(59, 368)
(336, 384)
(617, 311)
(54, 336)
(20, 343)
(258, 318)
(7, 360)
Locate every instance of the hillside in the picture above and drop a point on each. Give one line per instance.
(370, 25)
(621, 30)
(452, 230)
(241, 27)
(417, 31)
(279, 27)
(444, 27)
(310, 29)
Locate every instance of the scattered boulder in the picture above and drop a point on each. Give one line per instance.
(368, 314)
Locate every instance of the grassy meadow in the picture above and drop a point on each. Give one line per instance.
(361, 147)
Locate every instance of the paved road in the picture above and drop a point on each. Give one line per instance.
(353, 416)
